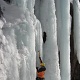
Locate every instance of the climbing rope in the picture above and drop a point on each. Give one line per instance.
(39, 38)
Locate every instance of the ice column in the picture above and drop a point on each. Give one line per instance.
(76, 5)
(63, 23)
(50, 49)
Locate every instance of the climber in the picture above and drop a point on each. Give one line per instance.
(41, 70)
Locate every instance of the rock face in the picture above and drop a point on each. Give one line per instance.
(75, 66)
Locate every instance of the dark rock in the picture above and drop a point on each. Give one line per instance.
(71, 9)
(44, 37)
(75, 66)
(8, 1)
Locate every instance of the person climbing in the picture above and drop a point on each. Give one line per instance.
(41, 70)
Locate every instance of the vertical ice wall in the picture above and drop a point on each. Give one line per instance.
(50, 50)
(39, 40)
(63, 22)
(38, 43)
(76, 5)
(17, 39)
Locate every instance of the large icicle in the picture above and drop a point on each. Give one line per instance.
(63, 21)
(50, 50)
(76, 5)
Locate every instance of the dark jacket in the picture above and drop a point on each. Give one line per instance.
(41, 70)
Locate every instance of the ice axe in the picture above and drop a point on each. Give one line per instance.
(39, 53)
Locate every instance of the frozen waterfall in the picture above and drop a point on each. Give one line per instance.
(29, 26)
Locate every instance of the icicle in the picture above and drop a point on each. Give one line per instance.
(63, 21)
(50, 49)
(76, 5)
